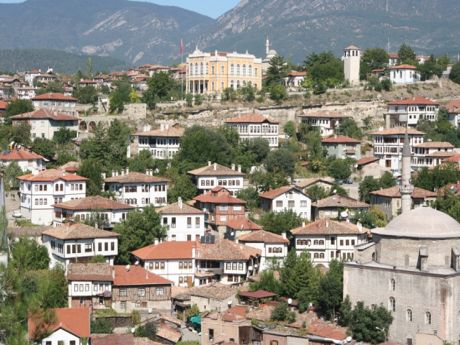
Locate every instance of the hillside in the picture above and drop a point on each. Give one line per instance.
(12, 60)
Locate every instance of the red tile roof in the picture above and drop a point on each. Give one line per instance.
(262, 236)
(89, 272)
(171, 132)
(453, 159)
(274, 193)
(414, 101)
(93, 203)
(339, 201)
(73, 320)
(215, 169)
(75, 231)
(135, 177)
(179, 208)
(170, 250)
(259, 294)
(21, 154)
(225, 250)
(112, 339)
(435, 145)
(403, 67)
(397, 131)
(243, 224)
(453, 106)
(54, 97)
(394, 192)
(393, 55)
(137, 276)
(340, 139)
(328, 227)
(251, 118)
(366, 160)
(44, 114)
(297, 74)
(51, 175)
(215, 198)
(3, 105)
(327, 330)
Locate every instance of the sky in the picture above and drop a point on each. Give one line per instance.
(211, 8)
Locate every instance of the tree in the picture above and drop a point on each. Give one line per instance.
(372, 218)
(142, 162)
(289, 129)
(182, 187)
(252, 152)
(51, 87)
(44, 147)
(350, 128)
(371, 59)
(280, 222)
(449, 203)
(280, 161)
(64, 136)
(92, 170)
(12, 172)
(120, 96)
(86, 95)
(278, 93)
(101, 325)
(251, 196)
(229, 94)
(277, 71)
(287, 273)
(325, 69)
(407, 55)
(331, 287)
(16, 107)
(438, 177)
(265, 181)
(248, 92)
(148, 330)
(20, 134)
(316, 193)
(455, 73)
(367, 185)
(141, 228)
(280, 312)
(340, 169)
(267, 282)
(160, 88)
(27, 254)
(305, 281)
(429, 68)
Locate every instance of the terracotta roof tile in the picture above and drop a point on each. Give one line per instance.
(51, 175)
(71, 167)
(339, 201)
(340, 139)
(453, 106)
(215, 169)
(73, 231)
(3, 105)
(225, 250)
(397, 131)
(169, 333)
(171, 132)
(112, 339)
(251, 118)
(403, 67)
(274, 193)
(93, 203)
(328, 227)
(259, 294)
(327, 330)
(263, 237)
(89, 272)
(47, 114)
(393, 55)
(414, 101)
(307, 182)
(170, 250)
(179, 208)
(214, 197)
(454, 159)
(297, 74)
(19, 155)
(216, 291)
(242, 224)
(394, 192)
(135, 177)
(73, 320)
(435, 145)
(137, 276)
(54, 97)
(367, 160)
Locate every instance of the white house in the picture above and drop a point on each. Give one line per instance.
(184, 222)
(393, 59)
(69, 326)
(109, 212)
(27, 160)
(215, 175)
(56, 102)
(326, 122)
(163, 143)
(410, 111)
(294, 80)
(453, 108)
(286, 198)
(274, 248)
(253, 125)
(138, 189)
(388, 144)
(44, 123)
(75, 242)
(41, 190)
(326, 240)
(431, 154)
(25, 92)
(404, 74)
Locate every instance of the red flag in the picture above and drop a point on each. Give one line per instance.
(181, 47)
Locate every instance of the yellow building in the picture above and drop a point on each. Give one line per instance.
(211, 73)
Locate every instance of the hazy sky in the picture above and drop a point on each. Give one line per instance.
(211, 8)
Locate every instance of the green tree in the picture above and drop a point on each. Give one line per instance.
(251, 196)
(160, 88)
(182, 187)
(324, 69)
(20, 134)
(340, 169)
(372, 218)
(266, 181)
(430, 68)
(278, 93)
(287, 273)
(350, 128)
(267, 282)
(316, 193)
(44, 147)
(373, 58)
(147, 330)
(27, 254)
(16, 107)
(455, 73)
(438, 177)
(51, 87)
(279, 222)
(64, 136)
(280, 161)
(252, 152)
(449, 203)
(86, 95)
(277, 71)
(331, 287)
(407, 55)
(120, 96)
(92, 170)
(305, 281)
(12, 172)
(289, 129)
(142, 162)
(141, 228)
(247, 92)
(280, 312)
(367, 185)
(229, 94)
(101, 325)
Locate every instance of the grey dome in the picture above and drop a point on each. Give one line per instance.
(422, 222)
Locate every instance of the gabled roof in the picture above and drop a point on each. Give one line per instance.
(242, 224)
(74, 231)
(435, 145)
(329, 227)
(397, 131)
(274, 193)
(262, 236)
(453, 106)
(324, 114)
(367, 160)
(73, 320)
(179, 208)
(394, 192)
(213, 197)
(307, 182)
(134, 275)
(352, 47)
(135, 177)
(413, 101)
(93, 203)
(51, 175)
(70, 167)
(19, 155)
(168, 250)
(225, 250)
(170, 132)
(215, 169)
(339, 201)
(403, 67)
(339, 140)
(251, 118)
(44, 114)
(54, 97)
(454, 159)
(89, 272)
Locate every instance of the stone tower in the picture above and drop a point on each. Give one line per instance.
(351, 64)
(406, 187)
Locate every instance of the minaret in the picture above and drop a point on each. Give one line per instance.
(406, 187)
(267, 46)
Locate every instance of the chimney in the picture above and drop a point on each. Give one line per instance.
(209, 163)
(284, 234)
(127, 171)
(156, 241)
(303, 224)
(179, 202)
(104, 176)
(128, 267)
(215, 166)
(239, 167)
(233, 166)
(113, 173)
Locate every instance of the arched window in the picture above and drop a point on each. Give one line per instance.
(409, 315)
(201, 69)
(250, 70)
(238, 69)
(244, 69)
(232, 69)
(428, 318)
(392, 304)
(392, 284)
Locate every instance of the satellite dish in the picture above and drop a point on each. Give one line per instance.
(344, 214)
(289, 300)
(133, 329)
(348, 339)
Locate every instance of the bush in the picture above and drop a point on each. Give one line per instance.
(148, 330)
(101, 326)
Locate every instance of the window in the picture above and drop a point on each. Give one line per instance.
(333, 240)
(279, 203)
(234, 266)
(211, 331)
(189, 222)
(123, 293)
(228, 266)
(303, 203)
(141, 292)
(173, 222)
(240, 266)
(428, 318)
(409, 315)
(197, 222)
(273, 342)
(392, 304)
(159, 291)
(392, 284)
